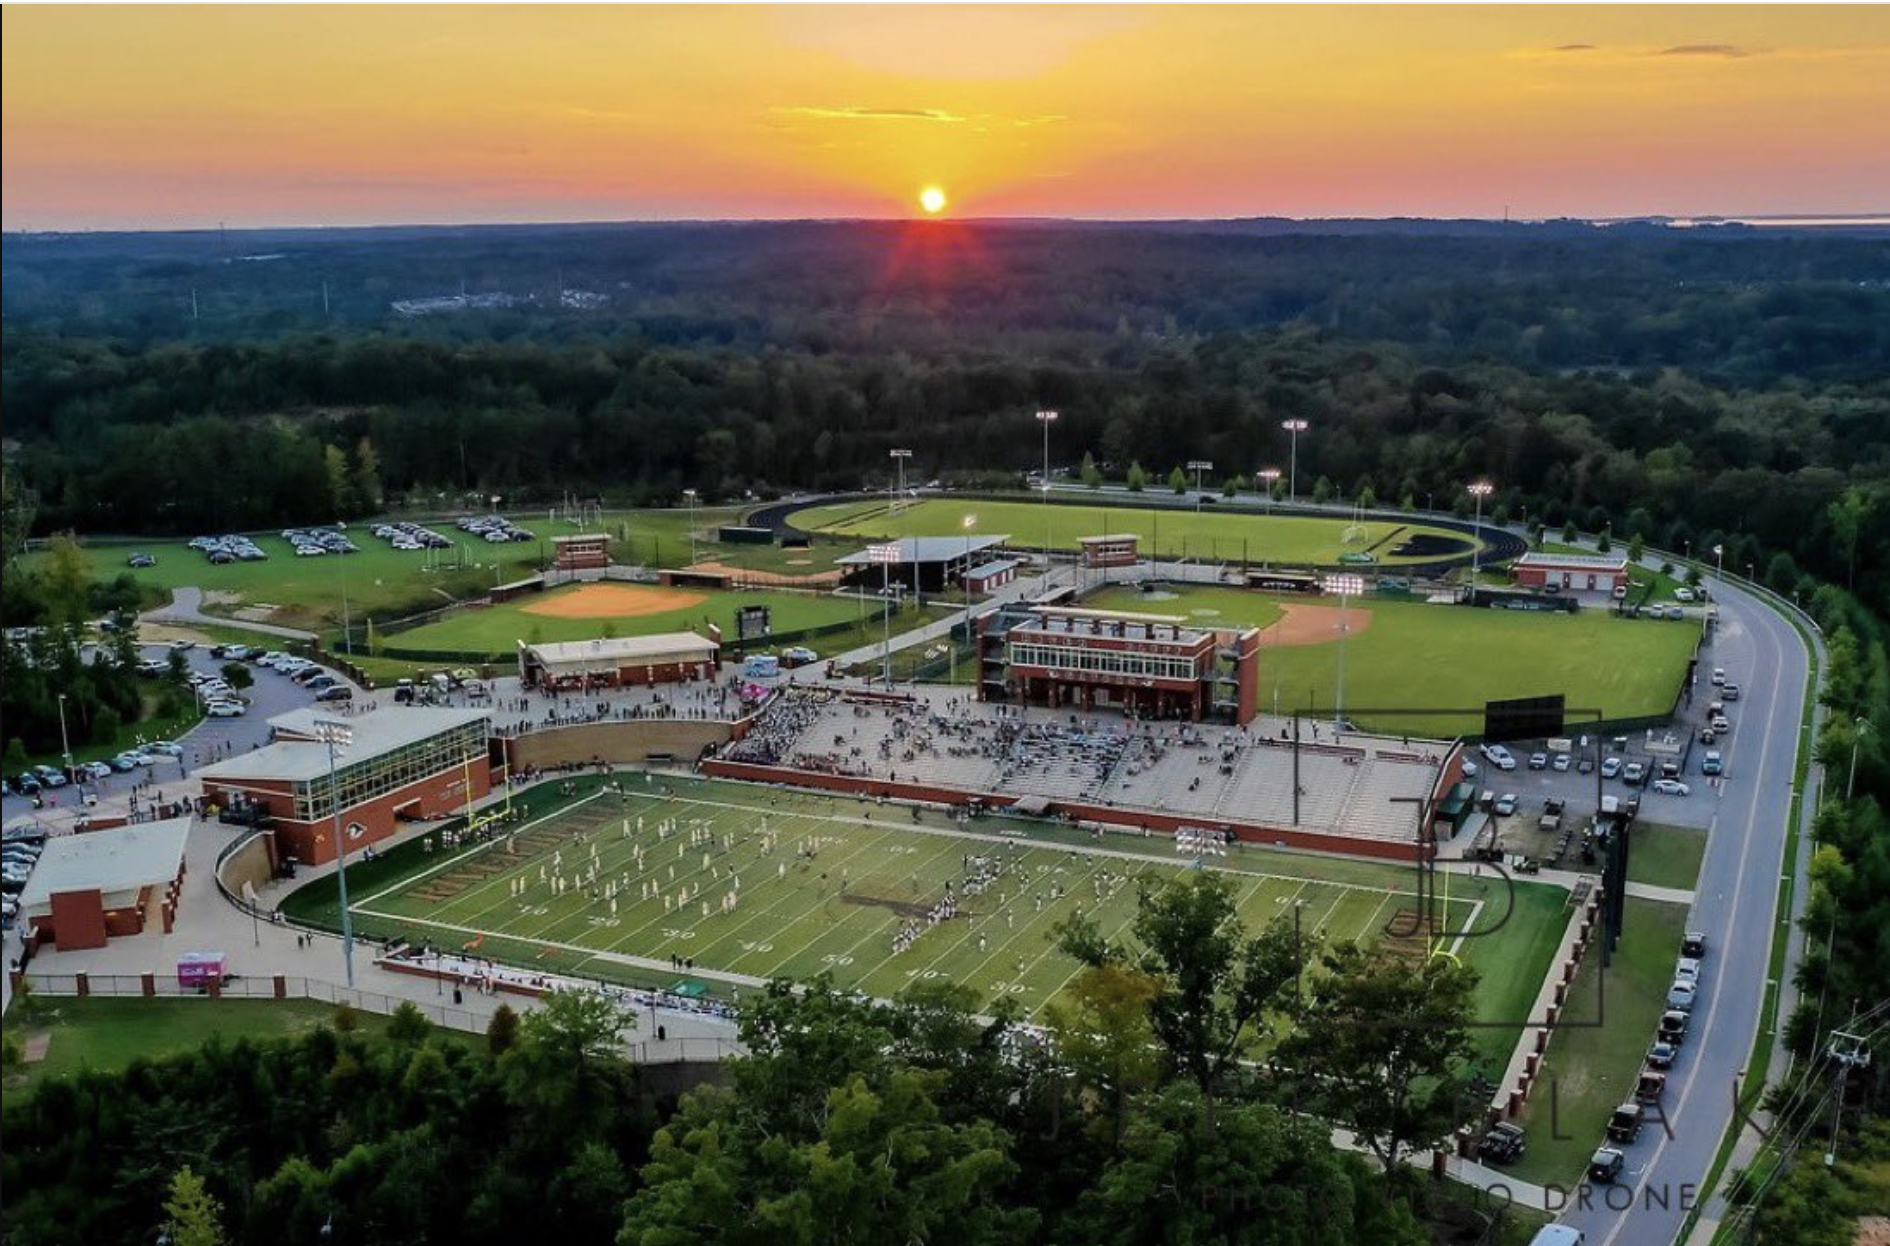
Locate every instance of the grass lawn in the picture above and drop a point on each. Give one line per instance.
(107, 1034)
(1666, 856)
(1207, 535)
(1596, 1053)
(1204, 607)
(494, 631)
(1412, 656)
(380, 582)
(834, 888)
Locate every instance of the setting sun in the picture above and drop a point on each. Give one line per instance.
(932, 199)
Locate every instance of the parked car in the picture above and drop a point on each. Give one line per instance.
(94, 770)
(1610, 767)
(1625, 1125)
(165, 748)
(1673, 1027)
(1560, 763)
(1671, 787)
(1499, 757)
(1606, 1165)
(1719, 676)
(226, 709)
(1538, 761)
(1693, 945)
(1687, 969)
(1507, 803)
(1633, 773)
(1713, 763)
(340, 692)
(1503, 1144)
(141, 561)
(1681, 996)
(49, 777)
(1730, 692)
(798, 655)
(1660, 1055)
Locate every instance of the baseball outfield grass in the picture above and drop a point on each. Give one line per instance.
(1207, 535)
(590, 611)
(826, 884)
(1422, 669)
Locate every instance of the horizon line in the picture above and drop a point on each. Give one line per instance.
(1684, 219)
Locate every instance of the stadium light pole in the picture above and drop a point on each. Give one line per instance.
(1271, 475)
(1858, 729)
(1719, 562)
(338, 735)
(899, 457)
(65, 745)
(1295, 427)
(690, 495)
(1197, 466)
(885, 555)
(1344, 587)
(1046, 418)
(1479, 490)
(964, 581)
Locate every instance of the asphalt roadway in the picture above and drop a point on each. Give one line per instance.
(1735, 904)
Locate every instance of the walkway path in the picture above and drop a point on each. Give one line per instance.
(186, 609)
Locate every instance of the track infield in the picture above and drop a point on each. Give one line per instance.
(825, 884)
(1201, 536)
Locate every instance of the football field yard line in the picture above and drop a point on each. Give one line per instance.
(799, 932)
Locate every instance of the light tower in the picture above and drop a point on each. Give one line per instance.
(1271, 475)
(1479, 490)
(1046, 418)
(1295, 427)
(1343, 587)
(1197, 466)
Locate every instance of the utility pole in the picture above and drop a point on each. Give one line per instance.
(1295, 428)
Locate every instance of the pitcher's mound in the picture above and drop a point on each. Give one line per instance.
(614, 601)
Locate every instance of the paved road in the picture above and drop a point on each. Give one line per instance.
(1736, 902)
(186, 608)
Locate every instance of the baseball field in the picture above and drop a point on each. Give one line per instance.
(589, 611)
(1419, 669)
(1207, 535)
(821, 884)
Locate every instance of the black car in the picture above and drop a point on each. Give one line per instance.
(27, 784)
(1661, 1054)
(1504, 1144)
(1625, 1125)
(1606, 1165)
(1693, 945)
(1673, 1027)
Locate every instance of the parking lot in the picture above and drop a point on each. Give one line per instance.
(1596, 769)
(269, 695)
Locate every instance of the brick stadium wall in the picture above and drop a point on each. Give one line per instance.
(1166, 823)
(622, 743)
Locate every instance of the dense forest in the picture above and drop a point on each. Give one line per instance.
(1719, 389)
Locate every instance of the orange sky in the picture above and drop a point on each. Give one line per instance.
(185, 117)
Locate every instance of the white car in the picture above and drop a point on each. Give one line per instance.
(1671, 787)
(1683, 594)
(1499, 757)
(166, 747)
(1682, 995)
(1719, 676)
(226, 709)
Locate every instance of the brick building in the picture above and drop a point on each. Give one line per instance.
(625, 661)
(586, 552)
(398, 765)
(107, 884)
(1584, 572)
(1145, 665)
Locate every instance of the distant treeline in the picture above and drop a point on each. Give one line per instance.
(184, 438)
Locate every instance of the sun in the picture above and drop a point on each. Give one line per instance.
(932, 199)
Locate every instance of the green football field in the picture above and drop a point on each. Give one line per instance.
(497, 629)
(1408, 664)
(1207, 535)
(825, 885)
